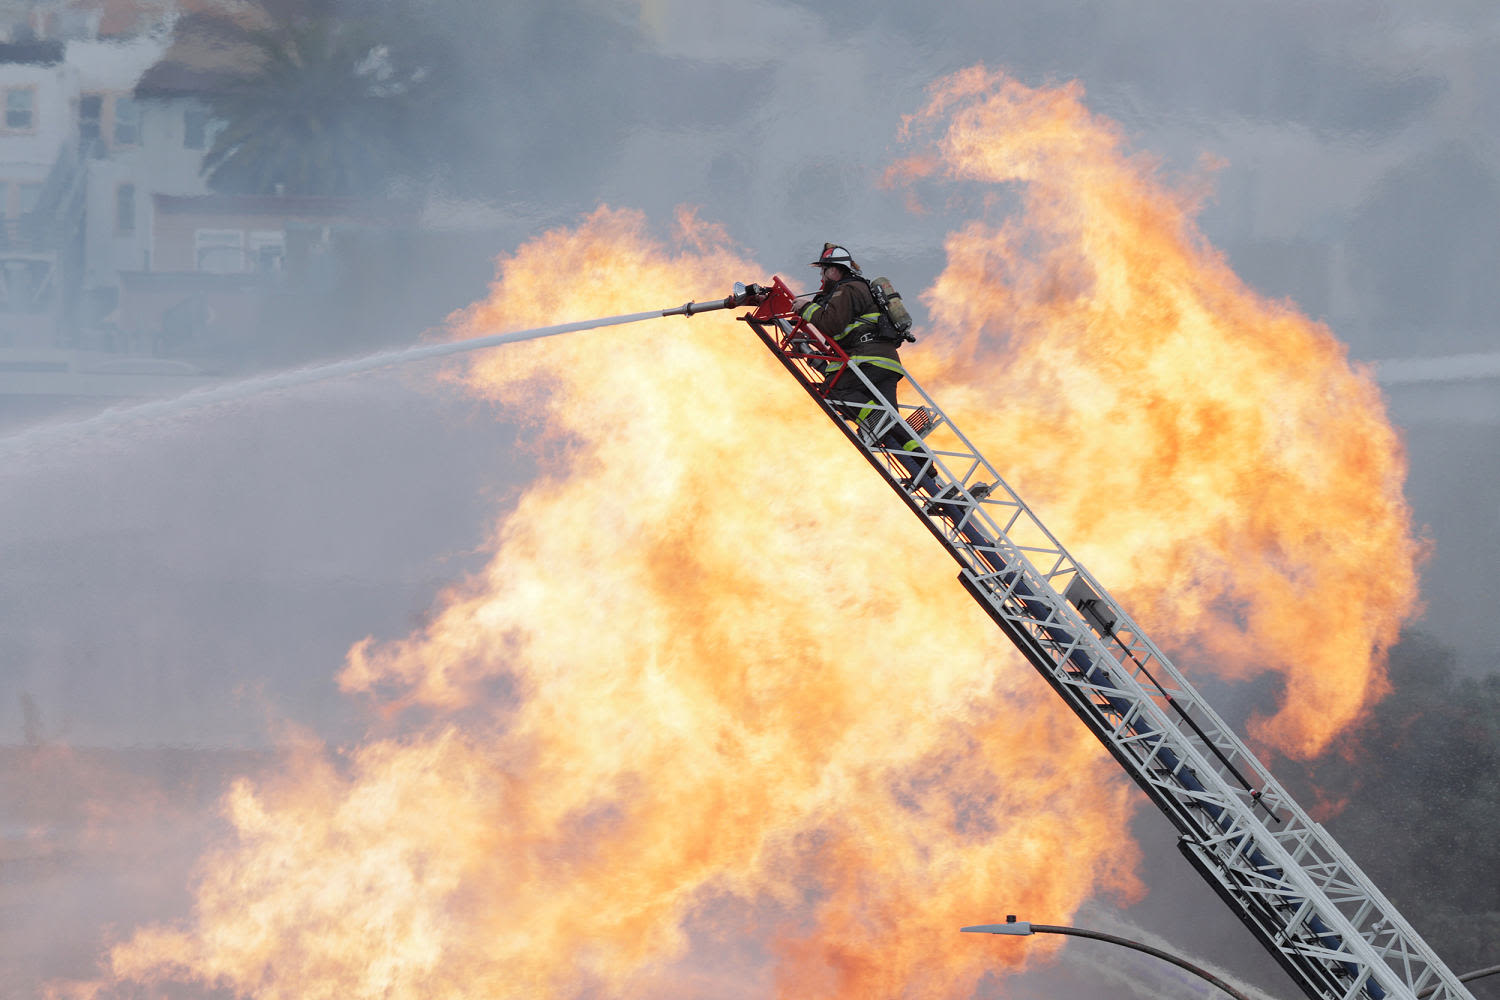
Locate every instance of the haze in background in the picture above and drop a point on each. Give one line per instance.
(199, 585)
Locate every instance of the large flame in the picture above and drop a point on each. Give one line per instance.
(729, 693)
(1210, 454)
(715, 719)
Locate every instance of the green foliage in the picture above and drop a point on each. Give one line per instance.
(330, 109)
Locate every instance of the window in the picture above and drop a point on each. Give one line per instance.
(127, 121)
(4, 198)
(195, 128)
(125, 209)
(221, 251)
(20, 108)
(267, 250)
(90, 112)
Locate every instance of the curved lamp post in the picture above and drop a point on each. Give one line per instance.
(1023, 927)
(1467, 977)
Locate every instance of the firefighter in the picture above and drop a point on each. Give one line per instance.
(844, 310)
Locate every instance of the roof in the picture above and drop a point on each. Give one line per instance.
(168, 79)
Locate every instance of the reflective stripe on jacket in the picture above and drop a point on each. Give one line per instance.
(844, 313)
(843, 310)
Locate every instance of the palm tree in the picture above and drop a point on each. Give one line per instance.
(328, 109)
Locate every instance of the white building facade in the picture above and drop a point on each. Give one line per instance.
(81, 157)
(135, 148)
(39, 192)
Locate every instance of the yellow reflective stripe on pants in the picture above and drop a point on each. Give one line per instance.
(871, 360)
(878, 362)
(912, 444)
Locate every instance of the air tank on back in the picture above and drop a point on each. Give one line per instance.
(889, 300)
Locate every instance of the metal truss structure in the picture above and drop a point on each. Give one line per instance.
(1280, 872)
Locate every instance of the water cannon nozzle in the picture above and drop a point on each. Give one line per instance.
(742, 295)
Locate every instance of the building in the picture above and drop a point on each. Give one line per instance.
(133, 148)
(75, 148)
(112, 241)
(41, 193)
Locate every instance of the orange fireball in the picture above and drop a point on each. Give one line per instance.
(730, 690)
(1211, 455)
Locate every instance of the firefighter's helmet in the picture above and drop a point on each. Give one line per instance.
(838, 257)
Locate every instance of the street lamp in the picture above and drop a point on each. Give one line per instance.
(1023, 927)
(1467, 977)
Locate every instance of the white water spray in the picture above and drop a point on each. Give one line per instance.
(34, 438)
(1452, 368)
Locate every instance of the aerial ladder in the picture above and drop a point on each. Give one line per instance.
(1281, 873)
